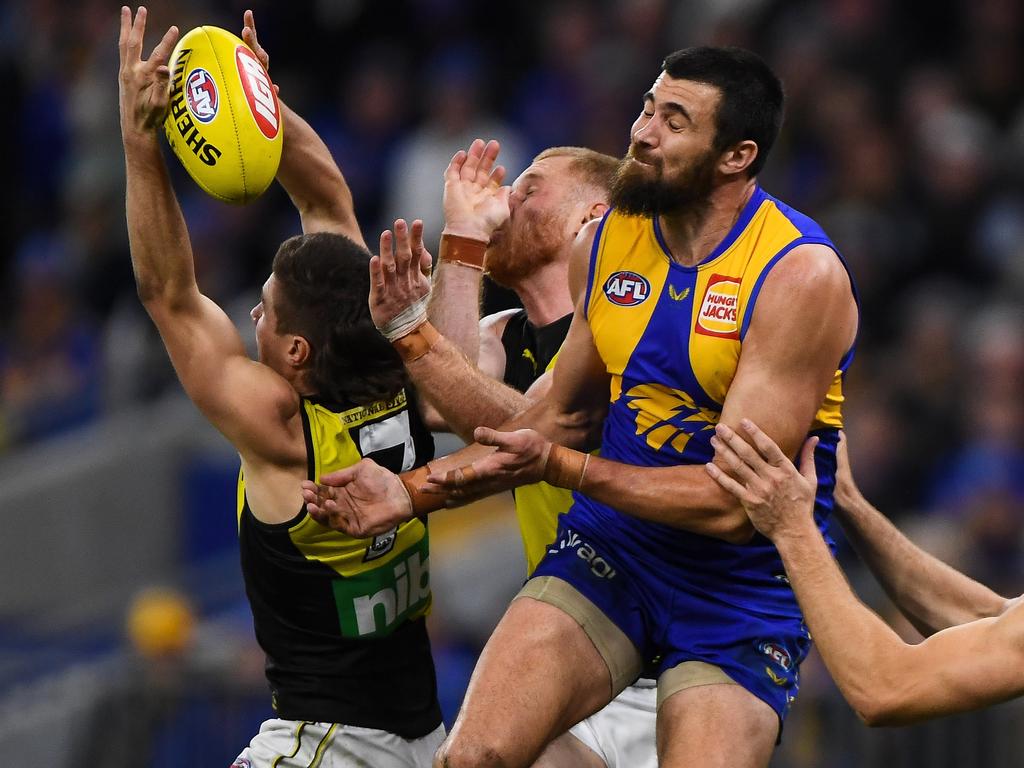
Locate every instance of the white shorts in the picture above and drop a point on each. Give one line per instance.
(297, 744)
(623, 733)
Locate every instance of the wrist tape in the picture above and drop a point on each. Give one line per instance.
(417, 343)
(464, 251)
(406, 321)
(565, 468)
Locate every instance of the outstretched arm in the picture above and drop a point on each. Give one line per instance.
(307, 171)
(930, 593)
(887, 681)
(237, 394)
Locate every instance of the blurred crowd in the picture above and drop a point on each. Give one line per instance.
(904, 138)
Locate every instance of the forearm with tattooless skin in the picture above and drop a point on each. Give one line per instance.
(160, 249)
(680, 496)
(463, 395)
(313, 181)
(930, 593)
(858, 648)
(454, 308)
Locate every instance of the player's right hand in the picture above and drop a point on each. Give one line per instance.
(143, 85)
(362, 500)
(475, 202)
(398, 278)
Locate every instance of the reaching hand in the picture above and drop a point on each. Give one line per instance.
(144, 86)
(249, 37)
(777, 497)
(519, 460)
(475, 203)
(362, 500)
(400, 279)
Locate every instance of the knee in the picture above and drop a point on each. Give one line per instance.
(460, 753)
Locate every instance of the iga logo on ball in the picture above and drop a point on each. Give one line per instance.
(224, 121)
(201, 95)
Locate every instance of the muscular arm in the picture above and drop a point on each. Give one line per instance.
(462, 396)
(887, 681)
(930, 593)
(314, 182)
(307, 172)
(779, 384)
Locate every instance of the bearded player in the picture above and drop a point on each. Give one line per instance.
(700, 298)
(340, 618)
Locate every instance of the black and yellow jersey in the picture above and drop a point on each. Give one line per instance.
(530, 352)
(341, 619)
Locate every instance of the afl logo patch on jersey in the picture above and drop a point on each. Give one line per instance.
(201, 95)
(627, 289)
(719, 311)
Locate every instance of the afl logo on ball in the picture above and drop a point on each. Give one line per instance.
(201, 95)
(627, 289)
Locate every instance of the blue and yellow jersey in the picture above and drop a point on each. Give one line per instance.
(671, 337)
(341, 619)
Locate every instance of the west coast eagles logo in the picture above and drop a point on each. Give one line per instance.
(668, 416)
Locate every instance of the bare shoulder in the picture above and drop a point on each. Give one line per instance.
(262, 418)
(494, 324)
(811, 266)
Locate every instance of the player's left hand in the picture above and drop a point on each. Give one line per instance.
(400, 277)
(778, 498)
(520, 459)
(144, 85)
(362, 500)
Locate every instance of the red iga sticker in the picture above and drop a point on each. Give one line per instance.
(259, 92)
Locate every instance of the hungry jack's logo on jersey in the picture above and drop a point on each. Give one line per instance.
(719, 311)
(627, 289)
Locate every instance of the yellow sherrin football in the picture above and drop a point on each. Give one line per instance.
(224, 120)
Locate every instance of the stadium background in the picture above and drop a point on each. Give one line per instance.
(904, 137)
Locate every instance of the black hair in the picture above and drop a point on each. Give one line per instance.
(752, 100)
(323, 289)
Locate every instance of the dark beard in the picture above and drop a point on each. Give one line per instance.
(636, 194)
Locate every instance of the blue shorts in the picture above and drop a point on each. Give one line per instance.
(669, 620)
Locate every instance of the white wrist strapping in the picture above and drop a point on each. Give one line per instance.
(406, 321)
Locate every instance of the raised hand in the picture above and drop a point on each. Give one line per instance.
(362, 500)
(475, 202)
(520, 459)
(777, 497)
(143, 85)
(399, 278)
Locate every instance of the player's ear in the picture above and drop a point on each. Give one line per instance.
(299, 351)
(597, 210)
(738, 157)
